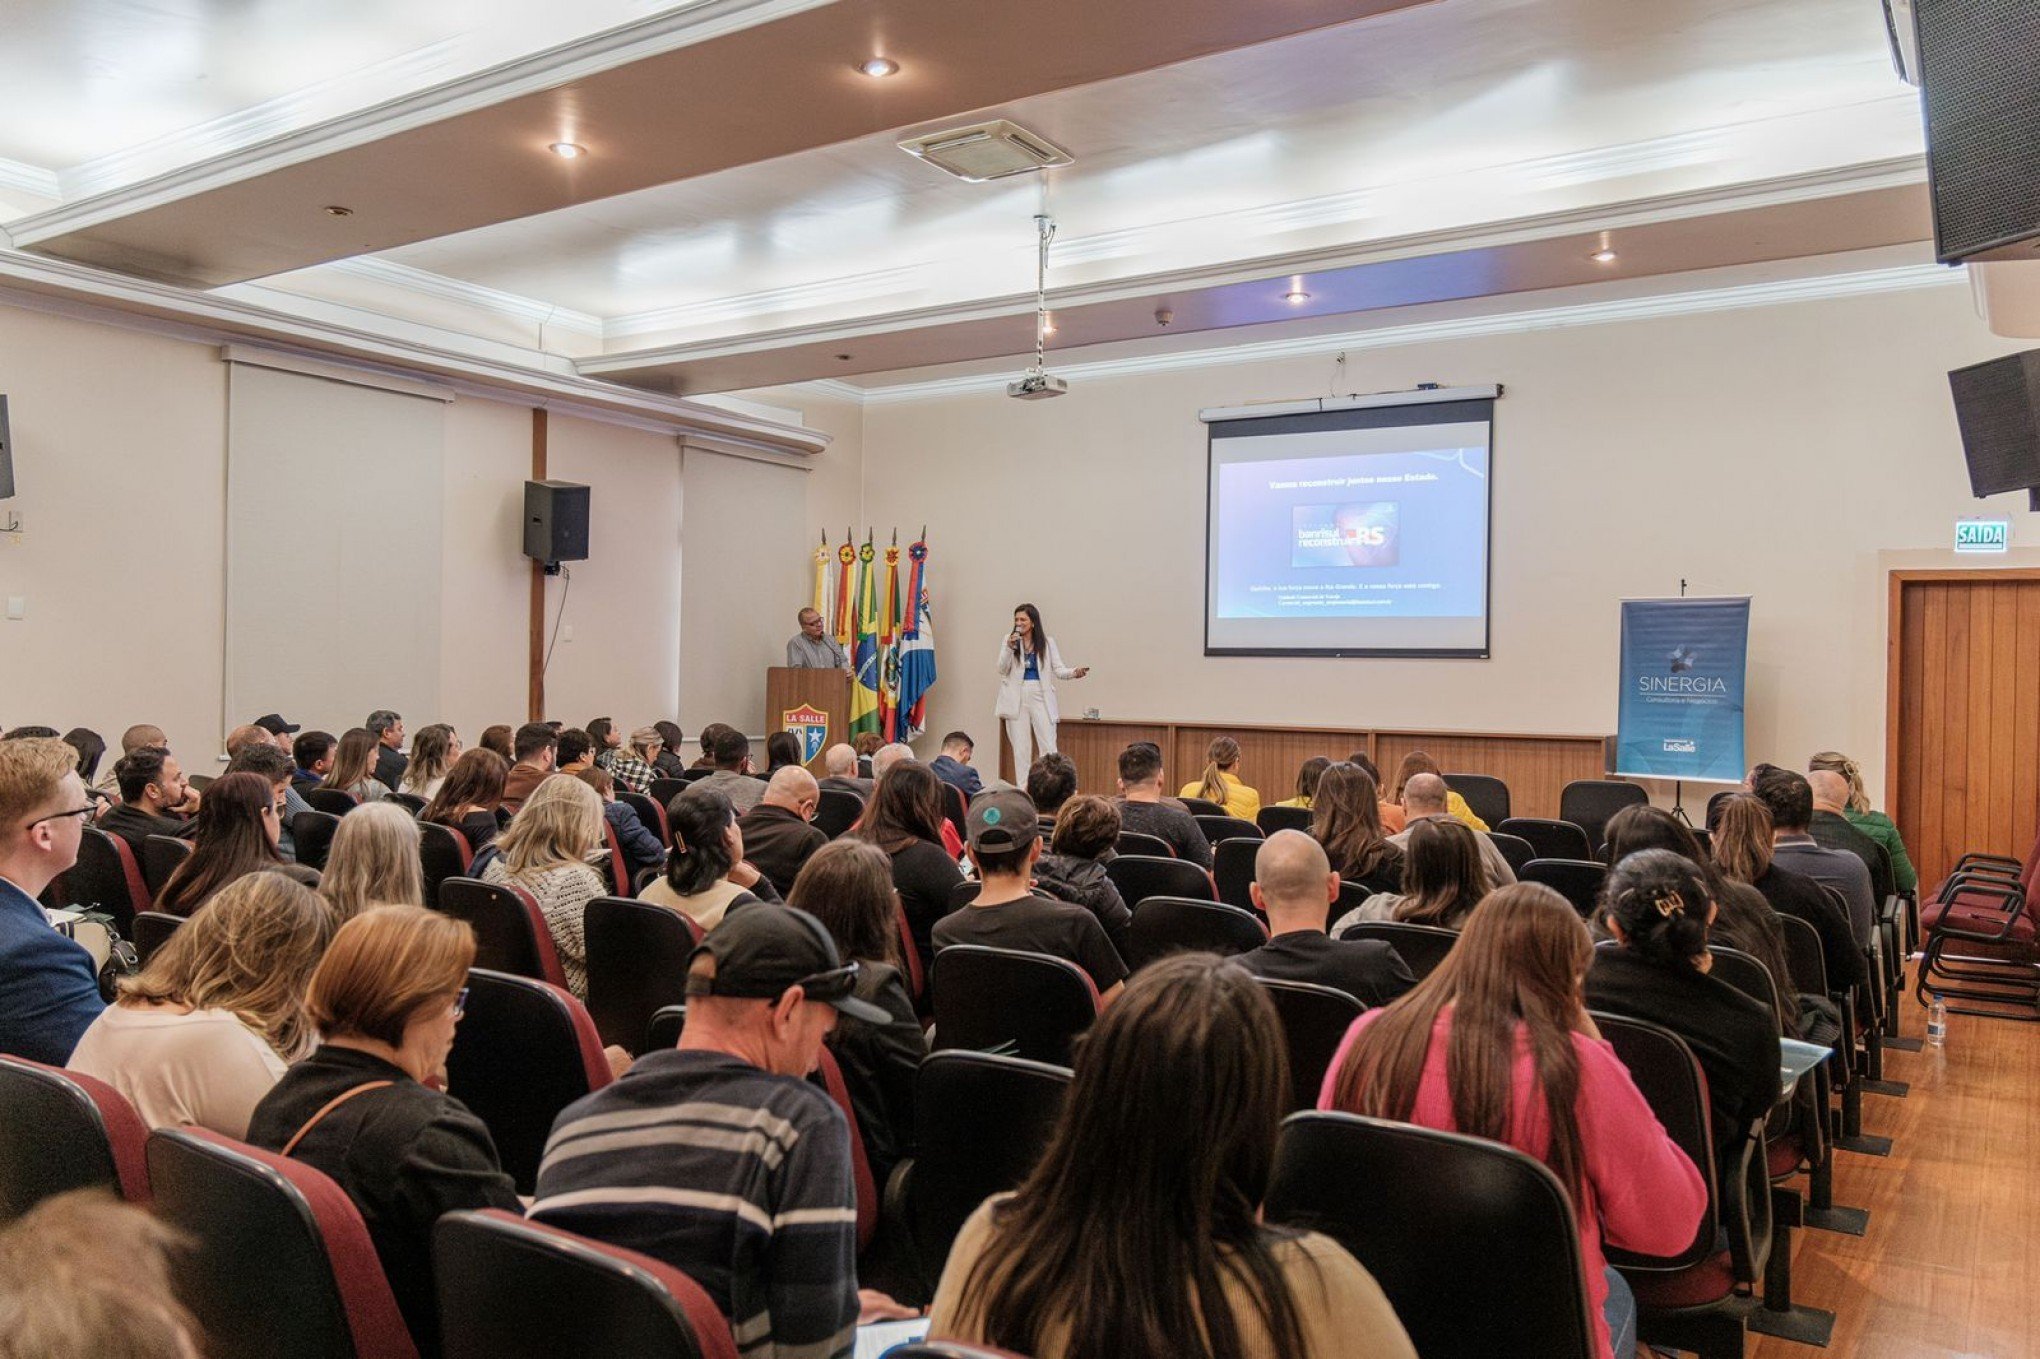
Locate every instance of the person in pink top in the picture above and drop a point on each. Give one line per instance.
(1497, 1043)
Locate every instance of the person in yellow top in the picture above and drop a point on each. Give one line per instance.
(1220, 781)
(1306, 782)
(1417, 762)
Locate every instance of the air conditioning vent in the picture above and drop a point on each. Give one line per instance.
(987, 151)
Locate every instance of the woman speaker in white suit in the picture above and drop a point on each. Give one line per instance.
(1029, 666)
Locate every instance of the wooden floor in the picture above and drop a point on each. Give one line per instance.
(1951, 1262)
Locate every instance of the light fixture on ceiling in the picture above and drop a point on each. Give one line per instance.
(1296, 297)
(1036, 382)
(878, 68)
(568, 150)
(1047, 325)
(335, 210)
(1606, 254)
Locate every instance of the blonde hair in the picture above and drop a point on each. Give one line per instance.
(431, 756)
(1223, 754)
(249, 951)
(31, 771)
(374, 861)
(1837, 763)
(558, 824)
(384, 966)
(83, 1273)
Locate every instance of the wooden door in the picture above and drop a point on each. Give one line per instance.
(1962, 762)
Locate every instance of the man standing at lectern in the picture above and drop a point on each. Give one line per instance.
(810, 650)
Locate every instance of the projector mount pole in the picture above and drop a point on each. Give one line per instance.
(1044, 230)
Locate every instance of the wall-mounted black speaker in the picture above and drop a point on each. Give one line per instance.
(1982, 104)
(6, 454)
(1997, 406)
(555, 521)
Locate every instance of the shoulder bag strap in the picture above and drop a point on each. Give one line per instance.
(330, 1106)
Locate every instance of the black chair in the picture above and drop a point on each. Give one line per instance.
(1314, 1021)
(651, 813)
(663, 791)
(664, 1029)
(1516, 851)
(523, 1052)
(1577, 880)
(1165, 925)
(312, 833)
(1423, 947)
(980, 1123)
(637, 963)
(511, 1288)
(1486, 797)
(337, 801)
(955, 807)
(201, 781)
(1002, 1000)
(1551, 839)
(443, 853)
(510, 932)
(107, 878)
(152, 930)
(1351, 894)
(160, 856)
(410, 802)
(1140, 876)
(1415, 1205)
(948, 1349)
(59, 1131)
(1272, 819)
(1232, 871)
(1217, 828)
(836, 811)
(1589, 803)
(1138, 842)
(1203, 806)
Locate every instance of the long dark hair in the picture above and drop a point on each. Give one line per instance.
(1660, 901)
(1307, 776)
(476, 780)
(782, 748)
(228, 842)
(90, 745)
(906, 805)
(1345, 817)
(1518, 962)
(1037, 640)
(1443, 877)
(847, 885)
(1153, 1179)
(701, 857)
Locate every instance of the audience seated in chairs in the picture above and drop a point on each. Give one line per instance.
(1832, 830)
(574, 753)
(312, 752)
(1307, 776)
(1426, 798)
(84, 1274)
(1497, 1044)
(1656, 906)
(388, 729)
(1790, 800)
(213, 1021)
(500, 739)
(1346, 820)
(234, 834)
(1739, 827)
(670, 764)
(1074, 869)
(904, 818)
(467, 801)
(373, 862)
(1005, 842)
(847, 886)
(354, 766)
(260, 756)
(1051, 782)
(1220, 782)
(1443, 879)
(641, 847)
(1417, 762)
(1143, 810)
(545, 852)
(706, 873)
(1138, 1232)
(49, 993)
(434, 751)
(152, 786)
(839, 770)
(729, 755)
(1294, 886)
(778, 834)
(952, 766)
(1879, 827)
(605, 741)
(537, 747)
(362, 1108)
(761, 1215)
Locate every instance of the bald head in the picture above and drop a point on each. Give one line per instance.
(240, 738)
(141, 736)
(840, 760)
(1424, 795)
(1293, 882)
(794, 789)
(1830, 790)
(888, 756)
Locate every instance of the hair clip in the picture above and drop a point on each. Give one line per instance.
(1670, 904)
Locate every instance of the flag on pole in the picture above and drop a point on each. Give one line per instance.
(846, 600)
(864, 693)
(917, 647)
(889, 645)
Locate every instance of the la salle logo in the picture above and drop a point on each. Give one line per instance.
(810, 725)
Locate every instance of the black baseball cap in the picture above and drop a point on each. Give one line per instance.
(275, 725)
(762, 948)
(1001, 820)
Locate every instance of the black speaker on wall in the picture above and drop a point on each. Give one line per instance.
(1997, 407)
(555, 521)
(1977, 63)
(6, 454)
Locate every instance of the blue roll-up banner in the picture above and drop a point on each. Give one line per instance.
(1681, 714)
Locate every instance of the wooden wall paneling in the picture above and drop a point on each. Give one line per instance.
(1094, 748)
(2026, 726)
(1535, 768)
(1932, 681)
(1269, 757)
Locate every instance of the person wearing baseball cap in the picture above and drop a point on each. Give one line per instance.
(719, 1157)
(1004, 838)
(280, 731)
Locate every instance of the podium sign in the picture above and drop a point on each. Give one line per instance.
(812, 704)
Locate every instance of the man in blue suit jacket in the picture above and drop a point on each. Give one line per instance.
(953, 765)
(49, 993)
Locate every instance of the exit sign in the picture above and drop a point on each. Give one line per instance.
(1983, 535)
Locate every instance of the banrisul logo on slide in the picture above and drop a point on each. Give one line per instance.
(1681, 663)
(1360, 533)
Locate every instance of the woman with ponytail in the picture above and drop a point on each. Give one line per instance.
(1497, 1043)
(1220, 781)
(1874, 824)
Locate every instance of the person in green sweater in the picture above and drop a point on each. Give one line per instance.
(1874, 824)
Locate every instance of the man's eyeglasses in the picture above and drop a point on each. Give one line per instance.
(85, 810)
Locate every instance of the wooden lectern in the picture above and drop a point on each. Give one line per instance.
(800, 701)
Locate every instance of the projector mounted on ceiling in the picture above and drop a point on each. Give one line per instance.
(987, 151)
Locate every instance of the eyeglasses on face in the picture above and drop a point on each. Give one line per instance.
(85, 810)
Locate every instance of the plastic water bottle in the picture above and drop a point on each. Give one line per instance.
(1937, 1023)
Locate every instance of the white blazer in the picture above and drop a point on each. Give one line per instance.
(1013, 674)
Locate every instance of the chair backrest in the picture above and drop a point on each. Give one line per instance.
(997, 999)
(697, 775)
(910, 953)
(1669, 1077)
(61, 1130)
(1165, 925)
(981, 1121)
(1577, 880)
(1416, 1206)
(1803, 955)
(1314, 1021)
(338, 801)
(1140, 876)
(510, 931)
(152, 930)
(1423, 947)
(107, 878)
(524, 1051)
(1232, 871)
(1486, 796)
(662, 1031)
(282, 1266)
(201, 781)
(619, 868)
(1551, 839)
(1746, 975)
(1203, 806)
(650, 812)
(1139, 842)
(312, 834)
(830, 1077)
(410, 802)
(1516, 851)
(1588, 803)
(1222, 827)
(637, 962)
(836, 811)
(511, 1288)
(1272, 819)
(663, 791)
(161, 854)
(443, 853)
(954, 807)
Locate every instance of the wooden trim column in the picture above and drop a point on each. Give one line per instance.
(536, 687)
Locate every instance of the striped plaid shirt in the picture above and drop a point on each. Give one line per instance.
(738, 1177)
(631, 773)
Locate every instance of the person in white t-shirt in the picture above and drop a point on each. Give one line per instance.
(200, 1036)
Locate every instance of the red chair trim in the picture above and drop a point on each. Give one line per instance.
(541, 938)
(917, 978)
(860, 1162)
(1698, 1285)
(619, 872)
(594, 1062)
(127, 1137)
(139, 894)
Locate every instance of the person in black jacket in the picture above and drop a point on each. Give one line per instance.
(904, 818)
(387, 997)
(847, 885)
(1086, 828)
(1294, 886)
(1740, 828)
(779, 835)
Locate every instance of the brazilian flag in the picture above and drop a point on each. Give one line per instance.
(864, 714)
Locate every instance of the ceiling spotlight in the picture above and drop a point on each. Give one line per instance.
(1604, 255)
(878, 68)
(335, 210)
(568, 150)
(1296, 297)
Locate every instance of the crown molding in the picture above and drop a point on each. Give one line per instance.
(30, 179)
(741, 306)
(495, 301)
